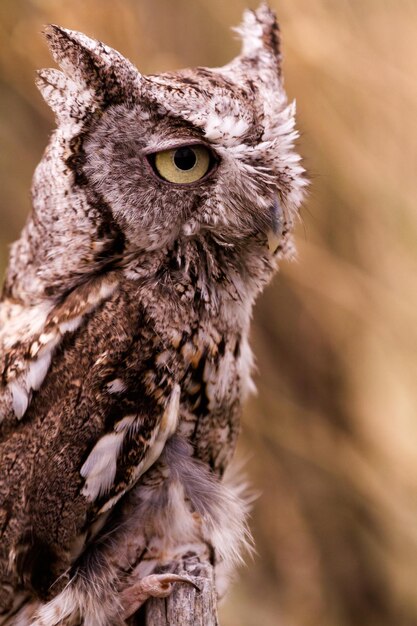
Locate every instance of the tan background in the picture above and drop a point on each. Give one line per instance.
(331, 439)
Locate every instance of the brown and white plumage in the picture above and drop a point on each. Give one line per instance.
(124, 322)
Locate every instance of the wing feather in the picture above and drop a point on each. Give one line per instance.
(85, 439)
(29, 336)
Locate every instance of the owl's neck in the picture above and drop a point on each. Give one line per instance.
(202, 273)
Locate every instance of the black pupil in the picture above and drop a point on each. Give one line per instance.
(185, 158)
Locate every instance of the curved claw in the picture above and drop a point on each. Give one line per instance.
(153, 586)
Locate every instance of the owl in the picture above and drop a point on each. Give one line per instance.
(161, 208)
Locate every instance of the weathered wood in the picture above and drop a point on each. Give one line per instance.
(187, 606)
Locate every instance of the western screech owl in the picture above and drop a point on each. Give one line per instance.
(124, 323)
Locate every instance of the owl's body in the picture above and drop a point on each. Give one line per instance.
(124, 322)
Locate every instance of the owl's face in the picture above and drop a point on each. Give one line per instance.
(165, 177)
(176, 155)
(159, 174)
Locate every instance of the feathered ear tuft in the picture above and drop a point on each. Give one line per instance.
(261, 44)
(97, 73)
(64, 97)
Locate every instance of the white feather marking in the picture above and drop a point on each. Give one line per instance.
(116, 386)
(46, 338)
(125, 423)
(20, 399)
(217, 126)
(111, 502)
(105, 291)
(34, 376)
(70, 325)
(12, 558)
(167, 428)
(42, 348)
(99, 470)
(102, 358)
(37, 371)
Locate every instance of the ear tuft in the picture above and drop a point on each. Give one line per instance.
(92, 65)
(260, 36)
(75, 53)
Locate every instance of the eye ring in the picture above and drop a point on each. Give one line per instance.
(184, 164)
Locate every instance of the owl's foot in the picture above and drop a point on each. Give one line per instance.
(153, 586)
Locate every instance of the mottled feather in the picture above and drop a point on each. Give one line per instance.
(124, 322)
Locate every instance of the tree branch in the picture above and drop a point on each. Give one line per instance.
(187, 606)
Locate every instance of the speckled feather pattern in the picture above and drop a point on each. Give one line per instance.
(124, 324)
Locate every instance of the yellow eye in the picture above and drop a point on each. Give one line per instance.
(186, 164)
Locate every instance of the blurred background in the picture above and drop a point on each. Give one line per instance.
(331, 438)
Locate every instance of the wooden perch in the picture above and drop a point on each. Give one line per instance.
(187, 605)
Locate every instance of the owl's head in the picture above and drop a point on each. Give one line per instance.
(139, 162)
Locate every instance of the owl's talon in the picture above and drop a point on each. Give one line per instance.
(153, 586)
